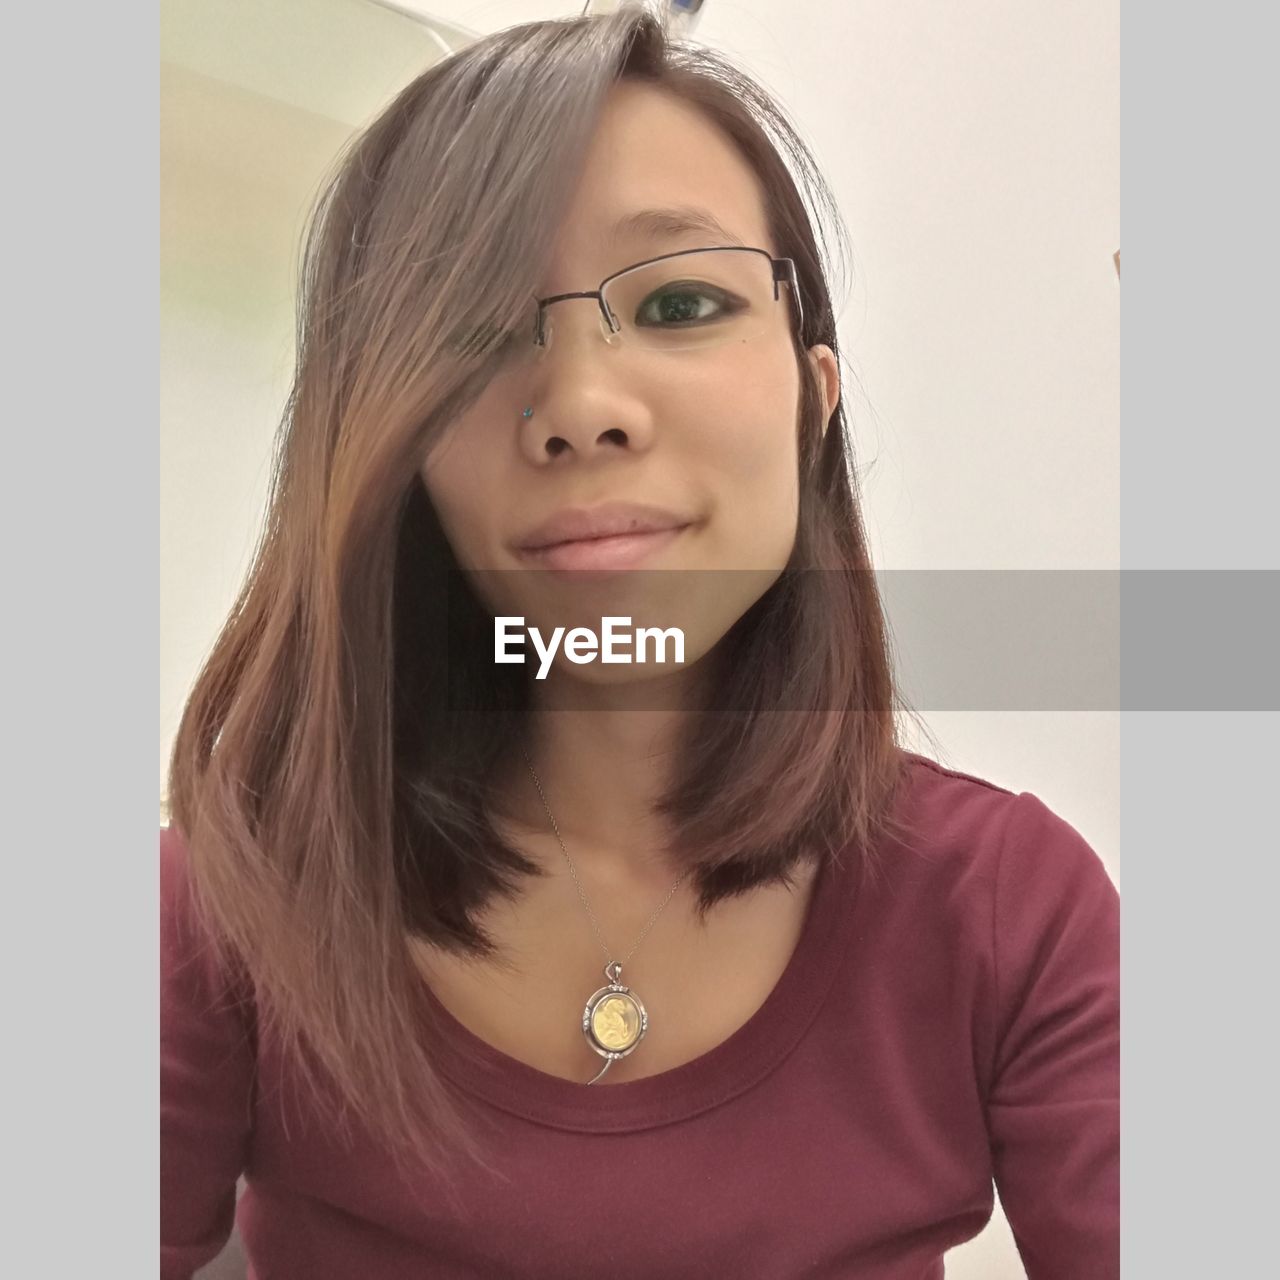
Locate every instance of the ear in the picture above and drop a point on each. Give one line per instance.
(826, 370)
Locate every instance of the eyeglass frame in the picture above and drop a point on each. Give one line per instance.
(784, 272)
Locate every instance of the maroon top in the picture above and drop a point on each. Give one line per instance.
(954, 1022)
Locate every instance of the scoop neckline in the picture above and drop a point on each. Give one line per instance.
(733, 1066)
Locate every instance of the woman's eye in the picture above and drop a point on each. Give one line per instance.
(680, 305)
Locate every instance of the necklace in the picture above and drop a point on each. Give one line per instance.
(614, 1020)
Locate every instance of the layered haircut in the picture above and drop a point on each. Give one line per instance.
(330, 784)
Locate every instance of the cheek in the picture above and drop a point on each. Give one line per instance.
(751, 447)
(455, 486)
(766, 502)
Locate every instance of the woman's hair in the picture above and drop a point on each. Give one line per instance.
(329, 781)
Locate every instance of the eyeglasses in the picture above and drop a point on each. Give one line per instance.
(695, 298)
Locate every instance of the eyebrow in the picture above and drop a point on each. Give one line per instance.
(670, 221)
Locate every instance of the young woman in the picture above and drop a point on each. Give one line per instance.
(569, 968)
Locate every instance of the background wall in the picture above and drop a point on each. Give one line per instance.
(974, 151)
(257, 98)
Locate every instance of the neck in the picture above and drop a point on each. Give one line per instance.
(602, 766)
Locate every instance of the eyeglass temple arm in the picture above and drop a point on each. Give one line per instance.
(784, 272)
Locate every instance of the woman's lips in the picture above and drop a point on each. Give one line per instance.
(619, 551)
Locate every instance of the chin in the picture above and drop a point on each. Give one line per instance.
(642, 686)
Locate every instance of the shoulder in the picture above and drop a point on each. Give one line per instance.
(174, 866)
(949, 810)
(947, 807)
(970, 840)
(195, 971)
(993, 905)
(180, 929)
(176, 899)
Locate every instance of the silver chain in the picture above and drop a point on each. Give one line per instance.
(581, 893)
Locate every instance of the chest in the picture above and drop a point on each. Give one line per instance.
(698, 983)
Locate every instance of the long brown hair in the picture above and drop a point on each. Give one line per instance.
(332, 799)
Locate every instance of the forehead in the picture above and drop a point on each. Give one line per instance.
(659, 176)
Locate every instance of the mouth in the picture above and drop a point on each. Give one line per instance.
(613, 553)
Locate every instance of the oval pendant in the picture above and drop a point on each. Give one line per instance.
(615, 1020)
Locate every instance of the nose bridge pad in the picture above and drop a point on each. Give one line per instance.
(608, 329)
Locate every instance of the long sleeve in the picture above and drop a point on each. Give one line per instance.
(206, 1076)
(1053, 1111)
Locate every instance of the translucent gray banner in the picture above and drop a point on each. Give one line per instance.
(962, 640)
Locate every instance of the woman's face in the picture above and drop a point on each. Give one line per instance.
(709, 435)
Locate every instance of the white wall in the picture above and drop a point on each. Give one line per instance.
(974, 150)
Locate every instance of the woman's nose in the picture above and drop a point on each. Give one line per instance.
(583, 398)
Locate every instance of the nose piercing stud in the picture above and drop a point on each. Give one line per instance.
(528, 413)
